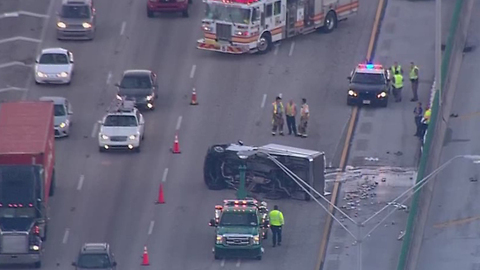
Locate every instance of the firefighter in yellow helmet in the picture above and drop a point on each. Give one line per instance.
(277, 116)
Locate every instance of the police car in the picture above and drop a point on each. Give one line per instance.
(369, 85)
(122, 128)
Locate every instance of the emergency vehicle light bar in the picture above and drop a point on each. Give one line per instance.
(17, 205)
(240, 202)
(238, 1)
(218, 207)
(370, 66)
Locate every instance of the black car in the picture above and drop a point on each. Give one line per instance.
(369, 85)
(140, 86)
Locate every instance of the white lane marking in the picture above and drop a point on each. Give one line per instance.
(291, 49)
(38, 15)
(80, 182)
(14, 63)
(150, 228)
(276, 50)
(165, 174)
(109, 77)
(179, 122)
(12, 89)
(263, 101)
(238, 263)
(9, 15)
(20, 39)
(192, 72)
(65, 236)
(94, 130)
(122, 30)
(222, 264)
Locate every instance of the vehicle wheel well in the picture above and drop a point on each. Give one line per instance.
(333, 15)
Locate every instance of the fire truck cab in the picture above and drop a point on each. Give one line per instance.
(249, 26)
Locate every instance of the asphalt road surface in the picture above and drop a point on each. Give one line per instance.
(110, 197)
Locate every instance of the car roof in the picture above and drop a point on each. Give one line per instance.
(95, 248)
(54, 50)
(56, 100)
(137, 72)
(76, 2)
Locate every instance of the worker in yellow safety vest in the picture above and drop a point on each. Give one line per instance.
(291, 114)
(414, 81)
(425, 121)
(276, 223)
(304, 117)
(277, 117)
(396, 67)
(397, 86)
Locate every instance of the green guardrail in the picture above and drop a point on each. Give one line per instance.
(429, 136)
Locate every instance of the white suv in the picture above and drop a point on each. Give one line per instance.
(123, 128)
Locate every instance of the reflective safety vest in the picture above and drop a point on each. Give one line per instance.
(291, 109)
(397, 68)
(276, 218)
(398, 83)
(413, 74)
(427, 115)
(275, 109)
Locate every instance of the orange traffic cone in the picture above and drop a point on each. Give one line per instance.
(194, 98)
(161, 199)
(145, 260)
(176, 146)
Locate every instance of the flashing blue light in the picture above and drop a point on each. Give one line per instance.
(369, 66)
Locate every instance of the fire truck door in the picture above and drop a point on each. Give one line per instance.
(268, 16)
(291, 14)
(278, 14)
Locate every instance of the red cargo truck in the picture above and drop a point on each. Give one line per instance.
(27, 179)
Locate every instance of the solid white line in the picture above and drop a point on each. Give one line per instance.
(263, 101)
(164, 177)
(9, 15)
(38, 15)
(291, 49)
(122, 30)
(179, 122)
(65, 236)
(238, 263)
(192, 72)
(222, 264)
(12, 88)
(276, 50)
(94, 130)
(109, 77)
(14, 63)
(20, 39)
(80, 182)
(150, 228)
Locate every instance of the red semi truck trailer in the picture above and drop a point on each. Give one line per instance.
(27, 179)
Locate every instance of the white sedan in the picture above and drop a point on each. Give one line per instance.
(55, 66)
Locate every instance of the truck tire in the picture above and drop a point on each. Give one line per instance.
(51, 192)
(38, 264)
(330, 22)
(216, 257)
(264, 43)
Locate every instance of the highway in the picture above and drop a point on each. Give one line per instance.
(109, 197)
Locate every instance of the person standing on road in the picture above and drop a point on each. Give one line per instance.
(397, 86)
(418, 113)
(291, 114)
(414, 81)
(304, 116)
(277, 117)
(396, 67)
(276, 223)
(425, 121)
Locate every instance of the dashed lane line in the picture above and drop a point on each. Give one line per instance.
(238, 263)
(291, 49)
(192, 72)
(6, 40)
(165, 174)
(222, 263)
(14, 63)
(263, 101)
(94, 130)
(150, 228)
(179, 123)
(65, 236)
(25, 13)
(109, 77)
(80, 182)
(12, 89)
(122, 29)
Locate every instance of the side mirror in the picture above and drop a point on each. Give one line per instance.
(100, 122)
(70, 113)
(71, 61)
(114, 264)
(212, 223)
(74, 263)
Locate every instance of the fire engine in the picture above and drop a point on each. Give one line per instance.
(249, 26)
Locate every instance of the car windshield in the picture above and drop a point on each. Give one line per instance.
(368, 78)
(59, 110)
(136, 82)
(93, 261)
(53, 59)
(227, 13)
(75, 12)
(120, 121)
(238, 219)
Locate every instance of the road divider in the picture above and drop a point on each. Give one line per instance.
(346, 147)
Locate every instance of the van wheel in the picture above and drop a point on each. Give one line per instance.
(264, 43)
(216, 257)
(150, 14)
(51, 192)
(185, 13)
(330, 22)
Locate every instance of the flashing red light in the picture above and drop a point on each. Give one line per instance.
(15, 205)
(30, 204)
(370, 66)
(36, 230)
(239, 1)
(1, 205)
(219, 207)
(10, 205)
